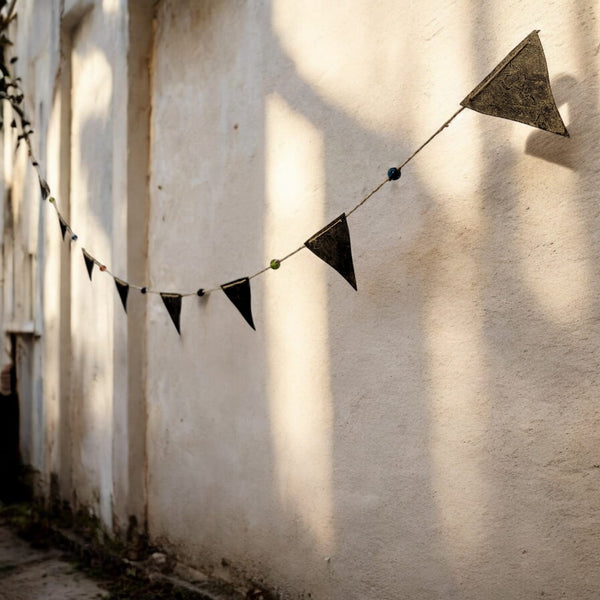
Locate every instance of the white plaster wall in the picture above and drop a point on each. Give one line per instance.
(73, 59)
(435, 434)
(23, 279)
(91, 316)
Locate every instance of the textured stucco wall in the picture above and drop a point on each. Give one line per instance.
(23, 248)
(73, 372)
(433, 435)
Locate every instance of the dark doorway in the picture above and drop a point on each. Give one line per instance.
(12, 488)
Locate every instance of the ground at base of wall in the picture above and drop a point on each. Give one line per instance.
(28, 573)
(41, 559)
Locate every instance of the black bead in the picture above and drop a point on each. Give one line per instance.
(200, 292)
(394, 174)
(144, 290)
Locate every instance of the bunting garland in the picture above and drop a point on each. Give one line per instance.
(517, 89)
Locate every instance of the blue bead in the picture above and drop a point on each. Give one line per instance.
(74, 237)
(394, 174)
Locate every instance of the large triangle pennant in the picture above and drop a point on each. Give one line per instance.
(238, 292)
(123, 289)
(89, 262)
(332, 245)
(173, 304)
(63, 226)
(519, 89)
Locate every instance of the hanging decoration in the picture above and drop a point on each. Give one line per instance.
(89, 262)
(63, 225)
(44, 187)
(332, 245)
(123, 289)
(173, 304)
(518, 89)
(238, 292)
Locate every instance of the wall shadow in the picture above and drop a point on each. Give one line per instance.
(392, 535)
(381, 474)
(208, 448)
(555, 149)
(526, 441)
(540, 312)
(91, 397)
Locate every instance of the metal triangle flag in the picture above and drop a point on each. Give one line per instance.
(123, 289)
(63, 226)
(44, 187)
(332, 244)
(238, 292)
(173, 304)
(89, 262)
(519, 89)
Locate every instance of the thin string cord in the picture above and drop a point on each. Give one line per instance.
(279, 260)
(369, 195)
(260, 272)
(373, 192)
(432, 137)
(147, 290)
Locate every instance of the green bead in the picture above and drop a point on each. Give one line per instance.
(50, 199)
(275, 264)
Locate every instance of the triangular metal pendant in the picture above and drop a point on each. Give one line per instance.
(63, 226)
(89, 262)
(332, 244)
(173, 304)
(123, 289)
(238, 292)
(44, 187)
(519, 89)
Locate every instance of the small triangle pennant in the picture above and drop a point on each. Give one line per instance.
(89, 262)
(519, 89)
(123, 289)
(332, 245)
(238, 292)
(173, 304)
(63, 226)
(44, 187)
